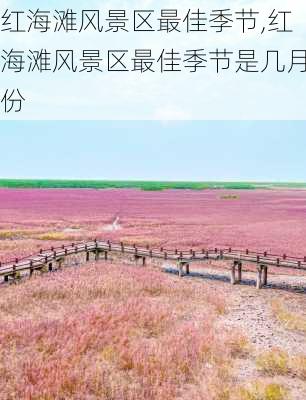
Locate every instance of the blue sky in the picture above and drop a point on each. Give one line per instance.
(183, 150)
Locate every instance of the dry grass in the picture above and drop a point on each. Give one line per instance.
(261, 391)
(239, 345)
(14, 234)
(298, 365)
(274, 362)
(229, 197)
(53, 236)
(290, 320)
(279, 362)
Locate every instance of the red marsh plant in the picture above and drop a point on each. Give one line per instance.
(107, 331)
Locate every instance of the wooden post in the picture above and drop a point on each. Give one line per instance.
(31, 268)
(239, 272)
(97, 255)
(233, 273)
(265, 275)
(180, 265)
(143, 261)
(50, 266)
(105, 255)
(187, 269)
(6, 278)
(259, 277)
(87, 256)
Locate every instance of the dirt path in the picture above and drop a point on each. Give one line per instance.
(250, 312)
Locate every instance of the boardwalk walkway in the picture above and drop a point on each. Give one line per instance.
(54, 258)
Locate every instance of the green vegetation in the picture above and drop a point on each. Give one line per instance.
(143, 185)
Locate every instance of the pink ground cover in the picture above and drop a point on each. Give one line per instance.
(261, 220)
(113, 332)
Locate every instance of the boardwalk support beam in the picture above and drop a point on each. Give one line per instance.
(187, 269)
(137, 257)
(239, 279)
(180, 269)
(265, 275)
(259, 277)
(233, 273)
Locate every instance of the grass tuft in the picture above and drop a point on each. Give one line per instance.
(289, 319)
(230, 197)
(260, 391)
(239, 346)
(274, 362)
(52, 236)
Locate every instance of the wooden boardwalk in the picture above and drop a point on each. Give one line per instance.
(54, 258)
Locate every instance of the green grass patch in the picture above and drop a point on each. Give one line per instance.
(143, 185)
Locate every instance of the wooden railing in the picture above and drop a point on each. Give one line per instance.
(47, 258)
